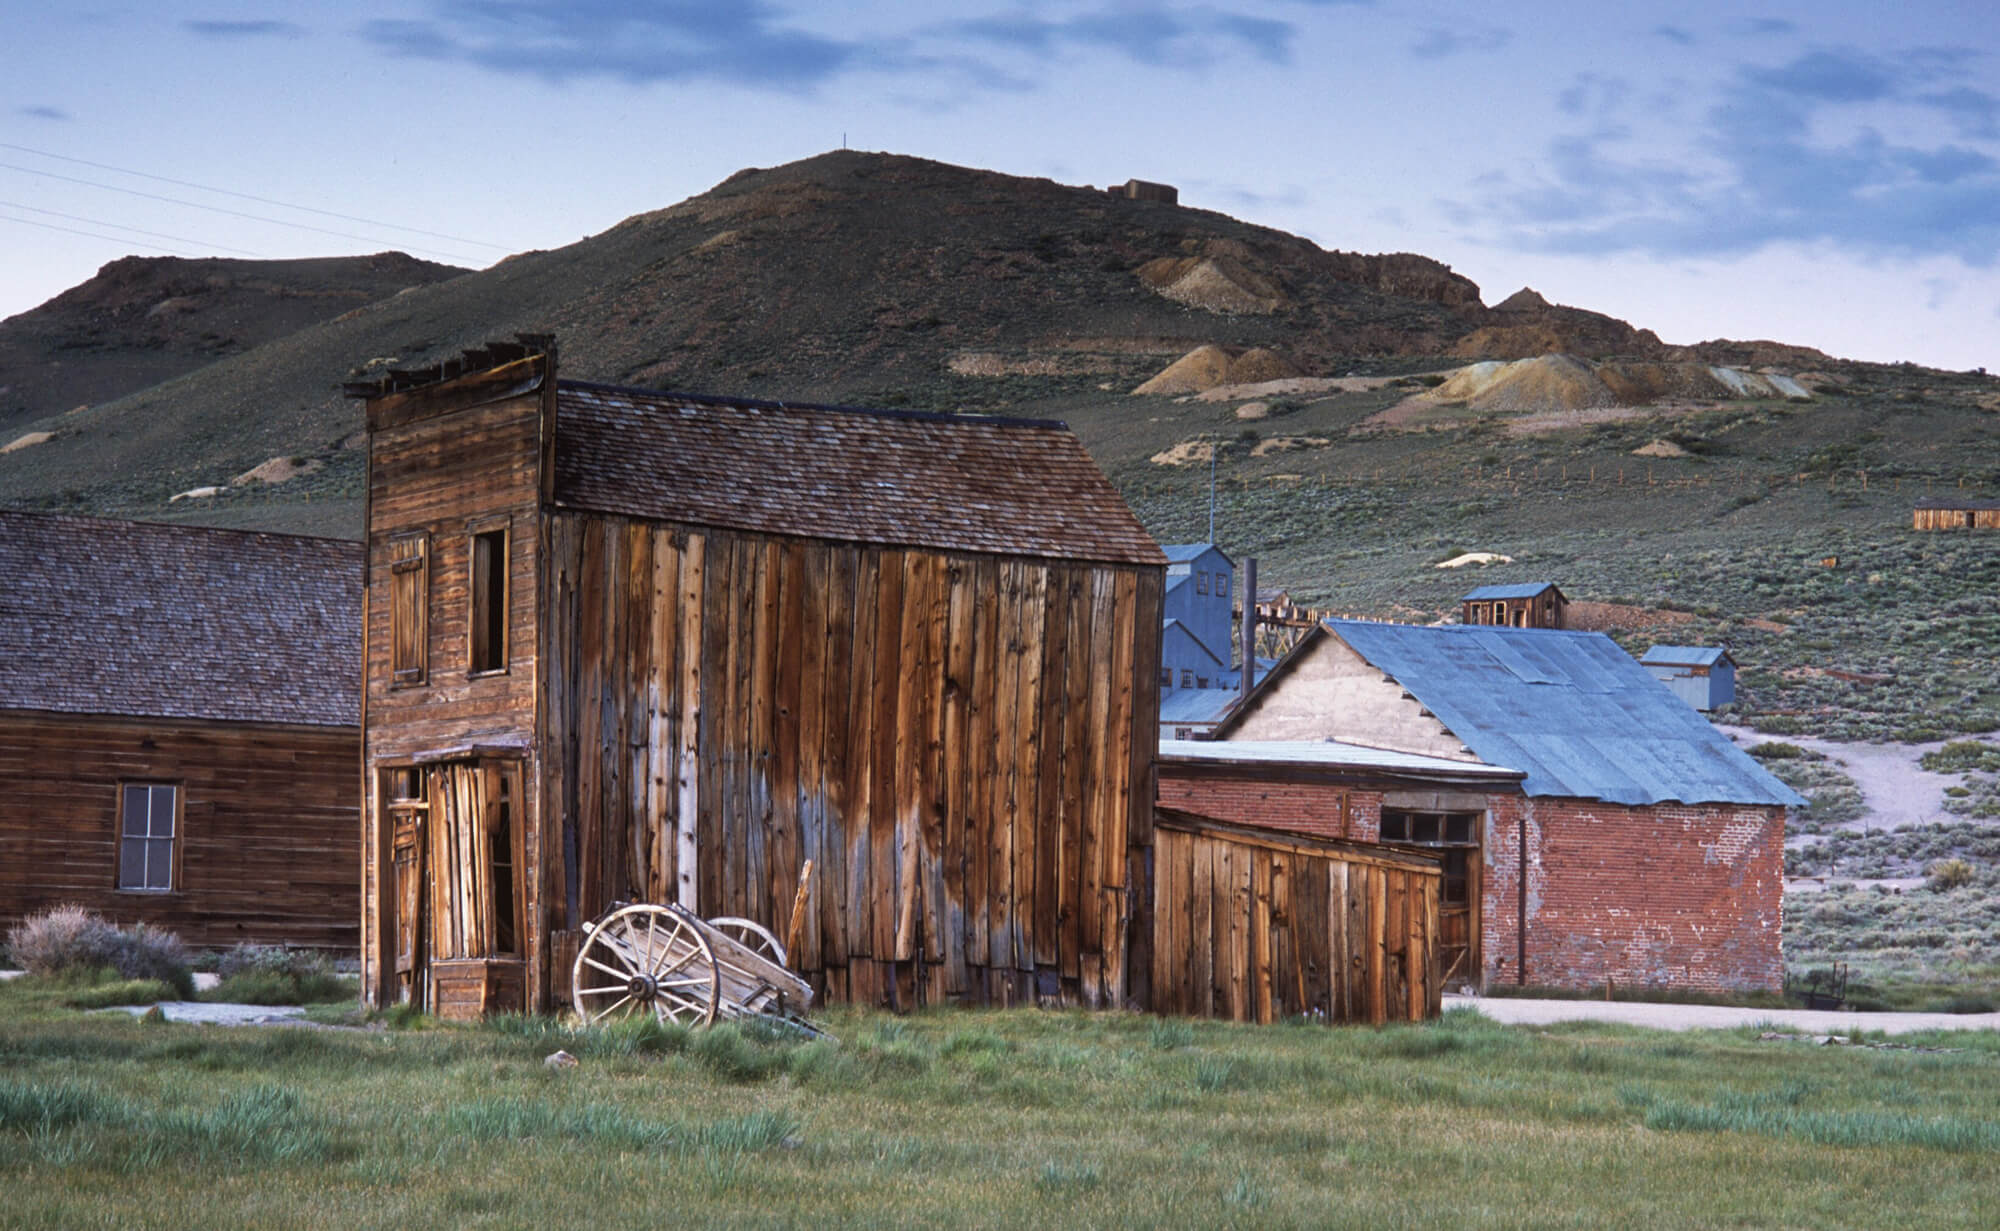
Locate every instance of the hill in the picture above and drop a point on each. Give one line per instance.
(1692, 493)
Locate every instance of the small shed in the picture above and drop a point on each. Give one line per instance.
(1259, 925)
(1531, 604)
(1146, 190)
(1704, 676)
(1956, 513)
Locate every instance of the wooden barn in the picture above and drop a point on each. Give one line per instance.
(630, 645)
(180, 728)
(1533, 604)
(1956, 513)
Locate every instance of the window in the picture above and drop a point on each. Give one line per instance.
(486, 638)
(146, 824)
(409, 599)
(1187, 678)
(1166, 677)
(1201, 583)
(1222, 585)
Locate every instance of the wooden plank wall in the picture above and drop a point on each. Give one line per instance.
(1956, 519)
(269, 824)
(1254, 929)
(961, 745)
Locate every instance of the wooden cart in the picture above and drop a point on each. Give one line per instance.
(667, 961)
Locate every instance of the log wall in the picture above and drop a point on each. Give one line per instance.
(266, 846)
(960, 743)
(1259, 926)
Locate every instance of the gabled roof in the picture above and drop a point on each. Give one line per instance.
(1578, 714)
(1525, 589)
(158, 621)
(1175, 629)
(1686, 656)
(1190, 706)
(897, 478)
(1182, 553)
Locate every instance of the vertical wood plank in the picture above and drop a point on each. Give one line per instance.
(884, 806)
(810, 797)
(687, 850)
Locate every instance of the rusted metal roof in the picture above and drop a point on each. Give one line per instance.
(147, 620)
(951, 482)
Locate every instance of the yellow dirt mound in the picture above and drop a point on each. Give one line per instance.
(1660, 448)
(1220, 281)
(1186, 453)
(1285, 444)
(277, 470)
(1210, 366)
(1554, 383)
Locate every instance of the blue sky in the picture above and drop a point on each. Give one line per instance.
(1820, 173)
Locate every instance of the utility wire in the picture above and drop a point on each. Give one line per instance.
(244, 196)
(119, 226)
(117, 239)
(216, 209)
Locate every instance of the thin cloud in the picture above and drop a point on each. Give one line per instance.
(1974, 113)
(1674, 34)
(243, 29)
(1154, 35)
(42, 111)
(1769, 27)
(1439, 42)
(1770, 173)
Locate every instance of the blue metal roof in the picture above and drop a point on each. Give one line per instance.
(1685, 655)
(1181, 553)
(1580, 715)
(1196, 705)
(1525, 589)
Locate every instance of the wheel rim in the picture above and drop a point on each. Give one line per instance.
(752, 935)
(645, 959)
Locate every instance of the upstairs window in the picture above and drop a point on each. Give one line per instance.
(409, 602)
(1201, 583)
(486, 638)
(148, 818)
(1222, 585)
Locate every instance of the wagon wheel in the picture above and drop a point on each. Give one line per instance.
(645, 959)
(752, 935)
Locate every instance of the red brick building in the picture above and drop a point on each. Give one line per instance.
(1653, 847)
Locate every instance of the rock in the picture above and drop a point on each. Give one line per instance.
(198, 493)
(1249, 410)
(559, 1060)
(24, 441)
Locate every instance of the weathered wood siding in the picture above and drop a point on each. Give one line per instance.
(266, 850)
(961, 744)
(1966, 517)
(444, 465)
(1258, 926)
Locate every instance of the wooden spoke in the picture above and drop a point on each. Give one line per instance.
(752, 935)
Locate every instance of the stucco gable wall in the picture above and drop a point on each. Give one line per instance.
(1332, 693)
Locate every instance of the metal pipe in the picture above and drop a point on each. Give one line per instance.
(1249, 596)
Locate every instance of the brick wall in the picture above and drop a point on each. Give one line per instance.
(1665, 896)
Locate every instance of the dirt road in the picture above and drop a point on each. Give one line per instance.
(1712, 1017)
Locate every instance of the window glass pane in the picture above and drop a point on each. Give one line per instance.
(135, 811)
(1395, 827)
(162, 812)
(1458, 829)
(159, 864)
(1426, 828)
(132, 863)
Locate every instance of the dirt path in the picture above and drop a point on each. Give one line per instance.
(1715, 1017)
(1897, 789)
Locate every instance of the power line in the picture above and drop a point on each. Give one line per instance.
(119, 226)
(244, 196)
(216, 209)
(116, 239)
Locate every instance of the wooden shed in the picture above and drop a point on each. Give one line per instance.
(180, 728)
(631, 645)
(1704, 676)
(1956, 513)
(1533, 604)
(1256, 925)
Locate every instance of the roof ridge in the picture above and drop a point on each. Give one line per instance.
(246, 531)
(879, 412)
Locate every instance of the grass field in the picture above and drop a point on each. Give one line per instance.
(989, 1118)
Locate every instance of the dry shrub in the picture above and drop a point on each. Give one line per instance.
(70, 940)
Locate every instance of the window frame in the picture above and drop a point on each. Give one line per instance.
(150, 839)
(486, 616)
(409, 557)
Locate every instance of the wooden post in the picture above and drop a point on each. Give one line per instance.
(797, 925)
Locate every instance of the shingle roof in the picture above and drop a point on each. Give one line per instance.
(1580, 715)
(952, 482)
(1526, 589)
(1684, 655)
(148, 620)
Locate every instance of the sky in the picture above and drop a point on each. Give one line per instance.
(1824, 174)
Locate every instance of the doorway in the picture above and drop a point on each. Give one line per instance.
(1453, 839)
(456, 848)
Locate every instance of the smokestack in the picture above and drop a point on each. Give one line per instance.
(1249, 593)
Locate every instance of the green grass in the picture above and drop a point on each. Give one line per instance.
(949, 1118)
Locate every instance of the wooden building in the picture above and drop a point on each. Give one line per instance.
(1956, 513)
(1256, 925)
(1533, 604)
(648, 646)
(1704, 676)
(180, 728)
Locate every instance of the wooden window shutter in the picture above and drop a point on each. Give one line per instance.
(409, 602)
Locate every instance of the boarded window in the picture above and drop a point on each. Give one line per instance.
(146, 825)
(409, 601)
(487, 636)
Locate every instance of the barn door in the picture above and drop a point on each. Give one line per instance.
(403, 800)
(1453, 839)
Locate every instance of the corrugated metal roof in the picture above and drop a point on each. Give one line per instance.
(1333, 754)
(1181, 553)
(1195, 705)
(953, 482)
(1684, 655)
(1525, 589)
(156, 621)
(1582, 717)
